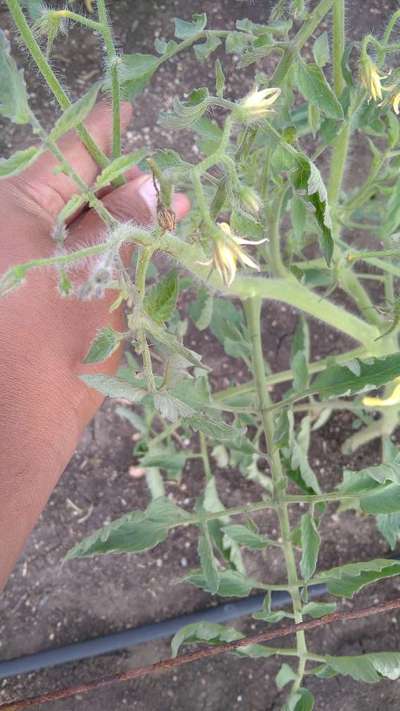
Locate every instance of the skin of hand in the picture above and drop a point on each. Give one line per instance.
(44, 406)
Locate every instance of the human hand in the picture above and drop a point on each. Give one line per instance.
(44, 337)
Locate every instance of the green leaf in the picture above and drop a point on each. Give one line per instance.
(369, 668)
(341, 380)
(315, 88)
(303, 700)
(308, 178)
(76, 113)
(208, 561)
(112, 386)
(383, 500)
(389, 526)
(203, 51)
(231, 583)
(318, 609)
(237, 42)
(184, 29)
(159, 333)
(160, 300)
(272, 617)
(186, 113)
(300, 355)
(155, 482)
(216, 634)
(209, 134)
(310, 542)
(168, 159)
(133, 533)
(381, 473)
(14, 103)
(119, 166)
(170, 407)
(216, 429)
(103, 345)
(135, 71)
(347, 579)
(135, 420)
(298, 217)
(34, 8)
(19, 161)
(245, 536)
(166, 458)
(245, 225)
(70, 207)
(201, 310)
(321, 50)
(219, 79)
(297, 464)
(285, 675)
(203, 632)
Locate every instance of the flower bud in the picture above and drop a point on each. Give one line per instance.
(250, 199)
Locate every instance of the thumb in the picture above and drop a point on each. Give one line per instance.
(136, 200)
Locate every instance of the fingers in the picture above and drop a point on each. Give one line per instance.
(51, 191)
(137, 201)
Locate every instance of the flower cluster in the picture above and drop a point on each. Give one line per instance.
(228, 251)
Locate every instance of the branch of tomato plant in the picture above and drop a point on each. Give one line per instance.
(114, 62)
(284, 376)
(204, 456)
(303, 35)
(274, 213)
(348, 279)
(51, 79)
(173, 663)
(252, 308)
(143, 260)
(75, 17)
(288, 290)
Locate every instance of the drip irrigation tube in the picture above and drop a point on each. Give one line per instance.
(146, 633)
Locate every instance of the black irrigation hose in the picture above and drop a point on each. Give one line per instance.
(146, 633)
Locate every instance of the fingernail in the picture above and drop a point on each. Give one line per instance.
(147, 192)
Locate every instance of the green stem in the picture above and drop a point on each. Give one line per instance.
(204, 456)
(285, 290)
(390, 27)
(365, 191)
(285, 375)
(351, 284)
(274, 214)
(338, 45)
(51, 79)
(81, 19)
(252, 309)
(114, 62)
(143, 261)
(305, 32)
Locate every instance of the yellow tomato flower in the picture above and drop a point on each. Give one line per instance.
(227, 253)
(395, 101)
(258, 103)
(393, 399)
(371, 78)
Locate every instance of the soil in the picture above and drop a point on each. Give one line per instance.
(47, 604)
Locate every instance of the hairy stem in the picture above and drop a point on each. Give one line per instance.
(51, 79)
(143, 261)
(115, 89)
(253, 313)
(305, 32)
